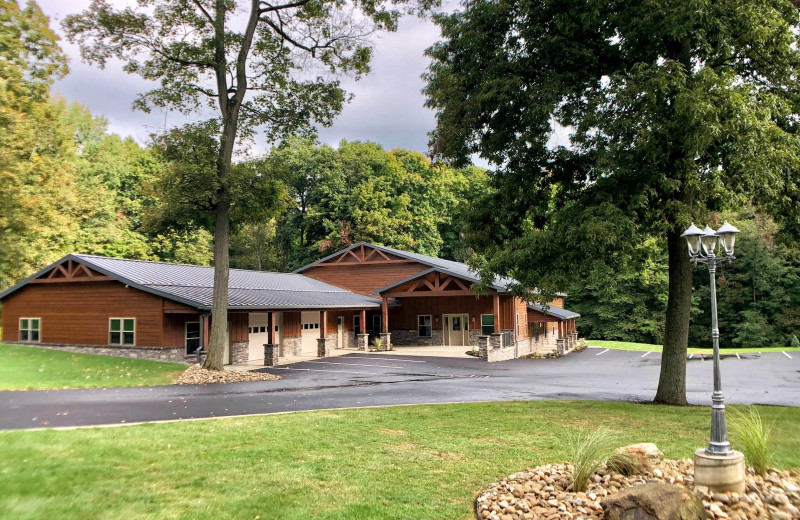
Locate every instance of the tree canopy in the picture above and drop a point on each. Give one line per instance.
(675, 110)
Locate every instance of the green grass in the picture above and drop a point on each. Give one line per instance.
(647, 347)
(32, 368)
(384, 463)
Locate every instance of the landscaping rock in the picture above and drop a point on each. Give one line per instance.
(654, 502)
(646, 455)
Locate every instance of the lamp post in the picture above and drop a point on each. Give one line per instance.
(719, 467)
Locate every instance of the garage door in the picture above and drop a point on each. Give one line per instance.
(309, 332)
(258, 335)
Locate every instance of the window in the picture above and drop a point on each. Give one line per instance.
(29, 329)
(424, 326)
(192, 336)
(487, 324)
(357, 324)
(122, 331)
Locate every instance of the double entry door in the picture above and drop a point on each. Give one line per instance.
(456, 329)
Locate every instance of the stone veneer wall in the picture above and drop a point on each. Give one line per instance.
(172, 354)
(411, 337)
(291, 346)
(240, 352)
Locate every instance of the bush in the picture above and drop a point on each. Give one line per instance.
(752, 436)
(588, 451)
(377, 343)
(795, 342)
(623, 462)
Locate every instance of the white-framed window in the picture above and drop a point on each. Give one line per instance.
(487, 324)
(192, 336)
(424, 325)
(122, 331)
(30, 329)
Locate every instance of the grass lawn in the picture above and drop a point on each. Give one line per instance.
(32, 368)
(647, 347)
(385, 463)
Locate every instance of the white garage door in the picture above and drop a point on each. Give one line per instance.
(258, 334)
(309, 332)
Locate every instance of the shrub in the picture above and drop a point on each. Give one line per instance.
(795, 342)
(752, 436)
(377, 343)
(588, 449)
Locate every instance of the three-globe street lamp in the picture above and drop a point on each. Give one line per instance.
(718, 467)
(702, 248)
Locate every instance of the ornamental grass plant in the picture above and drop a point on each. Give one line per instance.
(588, 451)
(751, 434)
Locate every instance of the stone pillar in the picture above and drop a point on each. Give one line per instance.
(322, 347)
(483, 347)
(362, 342)
(496, 340)
(271, 352)
(386, 339)
(560, 345)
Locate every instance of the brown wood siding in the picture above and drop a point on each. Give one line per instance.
(521, 310)
(291, 324)
(558, 302)
(78, 313)
(171, 306)
(175, 328)
(405, 316)
(364, 279)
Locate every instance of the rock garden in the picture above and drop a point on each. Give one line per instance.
(635, 483)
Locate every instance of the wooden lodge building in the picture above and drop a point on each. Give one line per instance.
(158, 310)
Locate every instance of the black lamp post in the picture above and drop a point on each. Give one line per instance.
(702, 248)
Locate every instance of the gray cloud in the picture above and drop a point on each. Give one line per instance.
(387, 109)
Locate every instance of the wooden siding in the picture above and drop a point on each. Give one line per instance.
(78, 312)
(291, 325)
(364, 270)
(405, 316)
(175, 328)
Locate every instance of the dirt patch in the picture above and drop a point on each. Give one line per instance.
(395, 433)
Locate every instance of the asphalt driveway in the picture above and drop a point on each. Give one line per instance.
(358, 380)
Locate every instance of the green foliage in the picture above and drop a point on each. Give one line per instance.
(587, 451)
(623, 462)
(752, 436)
(332, 198)
(795, 342)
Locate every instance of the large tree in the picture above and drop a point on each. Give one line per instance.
(674, 109)
(244, 65)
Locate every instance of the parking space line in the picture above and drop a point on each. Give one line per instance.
(691, 356)
(319, 370)
(738, 356)
(603, 352)
(787, 355)
(354, 364)
(351, 356)
(646, 354)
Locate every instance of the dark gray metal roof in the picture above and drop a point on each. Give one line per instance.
(558, 312)
(457, 269)
(193, 285)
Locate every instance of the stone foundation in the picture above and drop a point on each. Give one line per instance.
(271, 354)
(291, 346)
(386, 340)
(172, 354)
(412, 337)
(239, 352)
(363, 342)
(325, 345)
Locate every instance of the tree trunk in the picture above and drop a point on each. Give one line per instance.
(672, 380)
(219, 304)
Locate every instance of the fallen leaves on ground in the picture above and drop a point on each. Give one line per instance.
(197, 375)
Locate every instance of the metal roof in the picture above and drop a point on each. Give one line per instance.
(558, 312)
(193, 285)
(457, 269)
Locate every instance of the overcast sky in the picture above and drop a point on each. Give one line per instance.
(387, 109)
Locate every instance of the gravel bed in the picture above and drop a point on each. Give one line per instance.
(543, 493)
(197, 375)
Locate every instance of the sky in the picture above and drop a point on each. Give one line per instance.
(387, 109)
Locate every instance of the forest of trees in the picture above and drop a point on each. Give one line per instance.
(69, 185)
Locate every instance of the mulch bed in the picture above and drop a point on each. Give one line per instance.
(197, 375)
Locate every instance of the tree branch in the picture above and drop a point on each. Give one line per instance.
(269, 7)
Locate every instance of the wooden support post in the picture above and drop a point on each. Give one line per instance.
(270, 329)
(496, 306)
(205, 325)
(323, 324)
(385, 315)
(363, 320)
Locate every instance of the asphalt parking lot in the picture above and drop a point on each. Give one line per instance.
(360, 379)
